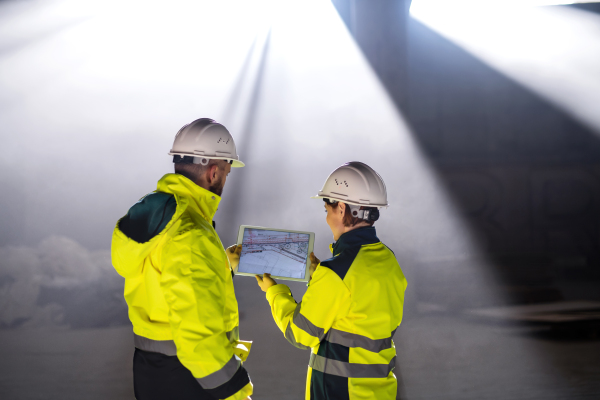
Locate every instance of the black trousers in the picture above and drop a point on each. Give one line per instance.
(160, 377)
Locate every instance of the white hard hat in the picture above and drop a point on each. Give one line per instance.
(204, 139)
(355, 183)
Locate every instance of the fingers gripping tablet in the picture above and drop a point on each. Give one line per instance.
(279, 252)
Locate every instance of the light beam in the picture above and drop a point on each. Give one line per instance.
(553, 51)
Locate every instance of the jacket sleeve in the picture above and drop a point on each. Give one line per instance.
(193, 283)
(305, 324)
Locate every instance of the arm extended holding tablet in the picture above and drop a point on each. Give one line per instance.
(265, 282)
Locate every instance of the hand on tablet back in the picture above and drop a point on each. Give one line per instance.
(265, 282)
(233, 254)
(314, 262)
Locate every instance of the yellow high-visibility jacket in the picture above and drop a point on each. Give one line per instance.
(347, 316)
(178, 284)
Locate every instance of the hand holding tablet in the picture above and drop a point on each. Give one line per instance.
(282, 253)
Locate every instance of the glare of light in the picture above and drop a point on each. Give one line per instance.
(176, 47)
(553, 51)
(420, 7)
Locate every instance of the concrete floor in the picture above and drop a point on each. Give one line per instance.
(440, 357)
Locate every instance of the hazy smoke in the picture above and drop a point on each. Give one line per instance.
(59, 282)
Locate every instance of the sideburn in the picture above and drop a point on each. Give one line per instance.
(217, 187)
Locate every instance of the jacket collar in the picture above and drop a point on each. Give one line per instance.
(355, 237)
(197, 198)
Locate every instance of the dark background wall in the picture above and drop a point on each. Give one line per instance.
(524, 174)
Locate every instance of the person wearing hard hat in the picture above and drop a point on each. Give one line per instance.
(178, 276)
(354, 300)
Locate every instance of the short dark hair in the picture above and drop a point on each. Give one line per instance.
(194, 171)
(349, 220)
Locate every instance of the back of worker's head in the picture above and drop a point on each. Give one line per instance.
(202, 149)
(359, 188)
(351, 218)
(194, 172)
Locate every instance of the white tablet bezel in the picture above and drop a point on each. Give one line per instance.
(311, 244)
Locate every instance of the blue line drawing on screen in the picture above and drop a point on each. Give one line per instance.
(274, 252)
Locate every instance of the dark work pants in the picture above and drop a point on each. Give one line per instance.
(160, 377)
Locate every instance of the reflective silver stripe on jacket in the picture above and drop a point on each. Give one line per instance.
(303, 323)
(289, 335)
(166, 347)
(233, 335)
(355, 340)
(221, 376)
(350, 370)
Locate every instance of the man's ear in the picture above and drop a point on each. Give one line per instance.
(212, 173)
(342, 207)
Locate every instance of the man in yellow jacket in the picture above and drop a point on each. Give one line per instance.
(354, 301)
(178, 277)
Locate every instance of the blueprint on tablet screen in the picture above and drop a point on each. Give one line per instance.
(274, 252)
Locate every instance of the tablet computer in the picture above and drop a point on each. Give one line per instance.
(279, 252)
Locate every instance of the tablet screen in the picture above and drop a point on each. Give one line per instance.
(275, 252)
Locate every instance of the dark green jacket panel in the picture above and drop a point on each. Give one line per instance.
(149, 216)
